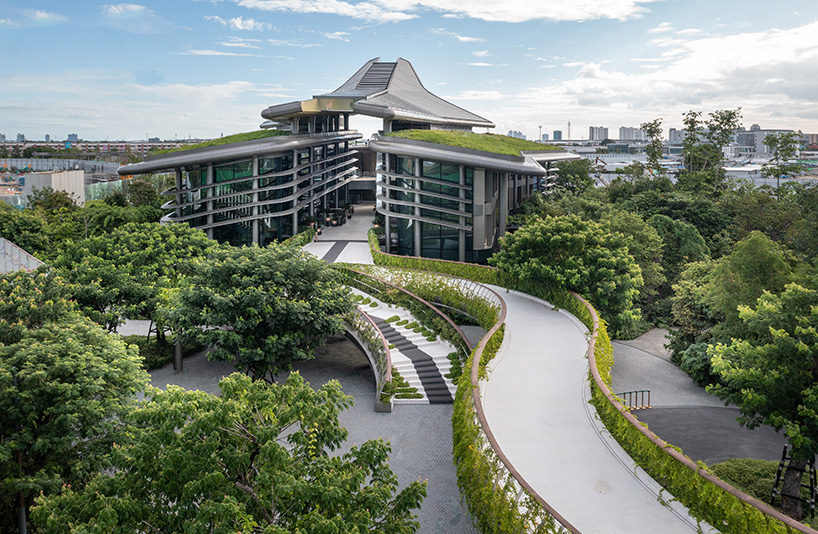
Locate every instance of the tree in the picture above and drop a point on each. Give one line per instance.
(756, 265)
(24, 229)
(702, 150)
(141, 192)
(50, 200)
(682, 244)
(655, 148)
(772, 375)
(574, 177)
(64, 386)
(645, 247)
(255, 459)
(583, 256)
(783, 148)
(123, 273)
(262, 307)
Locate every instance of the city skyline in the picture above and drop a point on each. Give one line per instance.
(206, 68)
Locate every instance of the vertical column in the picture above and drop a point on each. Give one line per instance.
(211, 192)
(527, 185)
(387, 218)
(178, 193)
(255, 208)
(461, 234)
(418, 224)
(503, 203)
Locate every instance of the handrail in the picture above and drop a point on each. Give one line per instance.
(481, 415)
(670, 450)
(422, 301)
(378, 354)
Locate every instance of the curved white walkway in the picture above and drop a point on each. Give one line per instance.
(536, 404)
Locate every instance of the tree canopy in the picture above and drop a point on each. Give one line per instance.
(259, 458)
(65, 384)
(262, 307)
(123, 273)
(583, 256)
(771, 374)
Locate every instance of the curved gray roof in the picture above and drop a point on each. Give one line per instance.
(386, 90)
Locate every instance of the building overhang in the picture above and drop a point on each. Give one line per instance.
(233, 151)
(528, 163)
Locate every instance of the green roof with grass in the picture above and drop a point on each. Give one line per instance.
(235, 138)
(497, 144)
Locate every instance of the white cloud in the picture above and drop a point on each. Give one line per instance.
(366, 10)
(662, 28)
(461, 38)
(38, 17)
(214, 53)
(338, 36)
(236, 42)
(481, 53)
(240, 23)
(483, 64)
(134, 18)
(525, 10)
(282, 42)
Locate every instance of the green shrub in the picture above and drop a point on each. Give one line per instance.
(392, 319)
(753, 477)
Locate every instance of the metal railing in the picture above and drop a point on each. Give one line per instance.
(636, 400)
(374, 344)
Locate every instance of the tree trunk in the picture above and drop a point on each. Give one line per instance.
(792, 486)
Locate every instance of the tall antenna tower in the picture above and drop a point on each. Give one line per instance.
(569, 130)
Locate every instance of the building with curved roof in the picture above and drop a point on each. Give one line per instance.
(445, 192)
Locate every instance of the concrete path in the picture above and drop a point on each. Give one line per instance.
(682, 412)
(347, 243)
(536, 403)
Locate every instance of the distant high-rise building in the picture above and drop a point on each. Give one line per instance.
(597, 133)
(557, 135)
(516, 133)
(676, 137)
(47, 138)
(2, 138)
(627, 133)
(544, 137)
(755, 128)
(21, 138)
(73, 138)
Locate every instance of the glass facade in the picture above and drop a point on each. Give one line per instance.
(240, 206)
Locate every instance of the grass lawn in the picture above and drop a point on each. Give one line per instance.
(497, 144)
(235, 138)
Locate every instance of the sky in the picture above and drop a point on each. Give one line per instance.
(177, 69)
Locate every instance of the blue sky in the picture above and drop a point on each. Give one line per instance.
(188, 68)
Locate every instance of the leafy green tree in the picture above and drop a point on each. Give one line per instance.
(772, 375)
(645, 247)
(583, 256)
(682, 245)
(65, 384)
(142, 192)
(256, 459)
(50, 200)
(783, 149)
(757, 264)
(702, 150)
(655, 148)
(574, 177)
(25, 229)
(124, 273)
(262, 307)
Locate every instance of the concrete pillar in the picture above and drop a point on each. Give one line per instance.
(295, 222)
(503, 203)
(255, 221)
(417, 223)
(461, 235)
(178, 192)
(211, 192)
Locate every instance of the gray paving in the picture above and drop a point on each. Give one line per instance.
(420, 435)
(684, 413)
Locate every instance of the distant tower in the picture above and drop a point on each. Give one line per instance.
(569, 130)
(540, 132)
